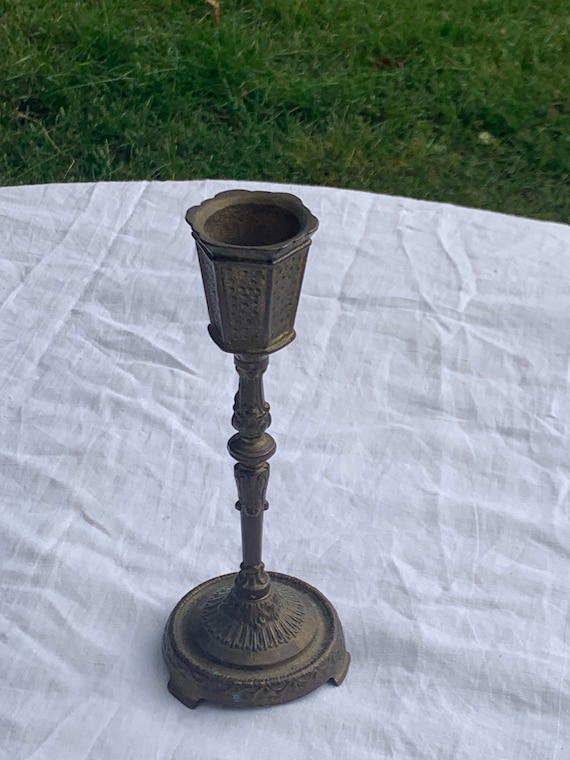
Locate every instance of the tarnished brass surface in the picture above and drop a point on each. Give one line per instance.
(257, 654)
(252, 248)
(255, 638)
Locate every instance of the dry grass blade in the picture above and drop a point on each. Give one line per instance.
(215, 11)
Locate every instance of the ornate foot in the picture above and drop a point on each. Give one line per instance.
(340, 674)
(222, 650)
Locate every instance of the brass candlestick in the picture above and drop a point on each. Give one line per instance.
(255, 638)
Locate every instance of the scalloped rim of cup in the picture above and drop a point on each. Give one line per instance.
(197, 216)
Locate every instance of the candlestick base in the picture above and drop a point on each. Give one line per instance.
(230, 650)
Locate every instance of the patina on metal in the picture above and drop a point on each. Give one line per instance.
(255, 638)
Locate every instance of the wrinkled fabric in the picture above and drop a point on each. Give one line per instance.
(421, 479)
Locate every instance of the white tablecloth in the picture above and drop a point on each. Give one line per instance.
(421, 479)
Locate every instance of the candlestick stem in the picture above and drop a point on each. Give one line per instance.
(251, 447)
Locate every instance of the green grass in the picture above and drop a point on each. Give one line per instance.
(294, 91)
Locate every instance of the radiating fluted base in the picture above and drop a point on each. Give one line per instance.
(221, 648)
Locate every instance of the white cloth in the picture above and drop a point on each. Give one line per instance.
(421, 479)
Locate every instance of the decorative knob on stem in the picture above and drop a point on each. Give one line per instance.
(256, 638)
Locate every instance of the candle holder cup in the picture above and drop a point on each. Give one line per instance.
(255, 638)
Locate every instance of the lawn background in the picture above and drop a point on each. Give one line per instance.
(463, 102)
